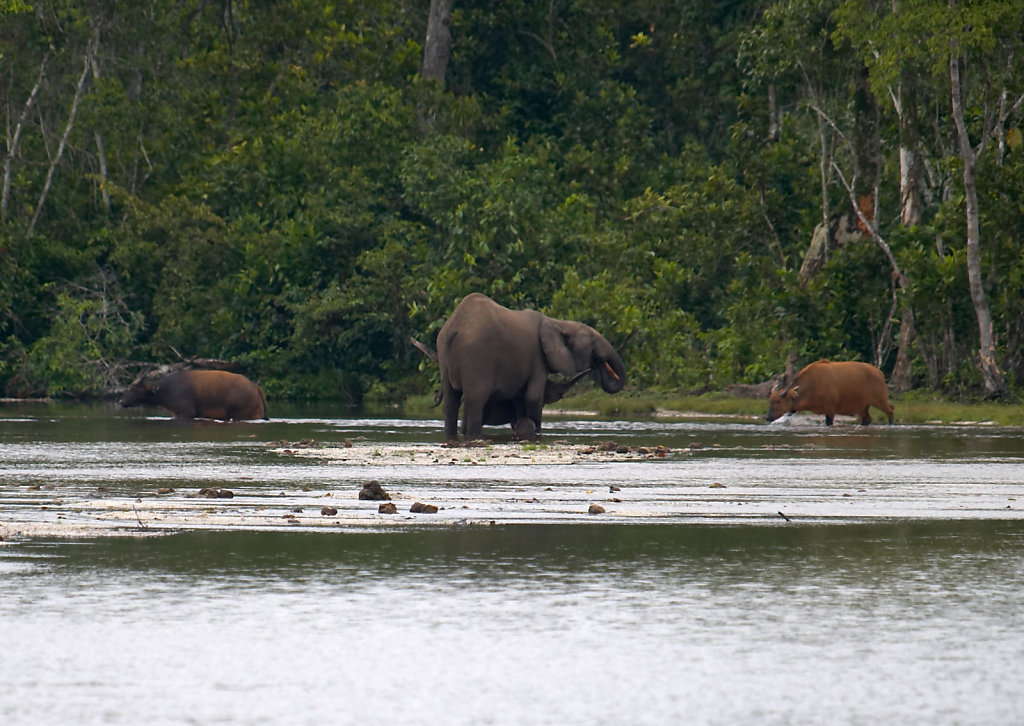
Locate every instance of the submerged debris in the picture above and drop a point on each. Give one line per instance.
(212, 493)
(612, 447)
(373, 491)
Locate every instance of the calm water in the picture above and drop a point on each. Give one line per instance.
(865, 619)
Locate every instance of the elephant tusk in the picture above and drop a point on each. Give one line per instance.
(611, 370)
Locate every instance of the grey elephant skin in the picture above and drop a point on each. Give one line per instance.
(498, 412)
(495, 361)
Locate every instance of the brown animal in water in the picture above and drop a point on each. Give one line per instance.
(849, 388)
(200, 394)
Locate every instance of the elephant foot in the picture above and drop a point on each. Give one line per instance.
(524, 429)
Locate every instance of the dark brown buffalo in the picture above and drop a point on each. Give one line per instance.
(200, 394)
(849, 388)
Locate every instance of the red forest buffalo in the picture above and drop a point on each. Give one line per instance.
(847, 388)
(200, 394)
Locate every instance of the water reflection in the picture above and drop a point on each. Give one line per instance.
(911, 623)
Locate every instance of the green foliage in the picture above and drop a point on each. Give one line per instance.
(273, 183)
(92, 334)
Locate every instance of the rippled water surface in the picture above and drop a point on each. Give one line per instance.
(890, 592)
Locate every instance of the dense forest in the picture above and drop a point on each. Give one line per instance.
(302, 185)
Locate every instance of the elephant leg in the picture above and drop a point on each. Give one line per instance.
(452, 401)
(532, 405)
(472, 418)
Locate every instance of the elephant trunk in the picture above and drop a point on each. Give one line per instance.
(612, 371)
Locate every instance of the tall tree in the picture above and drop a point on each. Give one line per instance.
(992, 53)
(437, 47)
(968, 49)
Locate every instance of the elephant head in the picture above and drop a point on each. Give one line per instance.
(570, 347)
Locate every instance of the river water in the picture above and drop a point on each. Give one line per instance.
(753, 575)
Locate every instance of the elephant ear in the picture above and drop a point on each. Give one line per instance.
(556, 350)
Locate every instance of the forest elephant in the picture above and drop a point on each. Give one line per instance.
(849, 388)
(498, 412)
(199, 394)
(495, 364)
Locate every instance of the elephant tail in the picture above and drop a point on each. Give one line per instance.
(424, 349)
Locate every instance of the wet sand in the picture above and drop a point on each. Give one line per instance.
(510, 483)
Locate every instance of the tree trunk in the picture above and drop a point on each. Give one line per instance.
(866, 152)
(995, 386)
(12, 144)
(438, 45)
(910, 161)
(101, 151)
(63, 144)
(900, 379)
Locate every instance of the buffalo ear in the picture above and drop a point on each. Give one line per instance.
(556, 351)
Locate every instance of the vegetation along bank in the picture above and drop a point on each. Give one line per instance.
(300, 187)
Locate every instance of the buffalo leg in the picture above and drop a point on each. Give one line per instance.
(829, 419)
(865, 417)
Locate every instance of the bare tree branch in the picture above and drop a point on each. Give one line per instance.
(63, 143)
(871, 228)
(12, 144)
(899, 277)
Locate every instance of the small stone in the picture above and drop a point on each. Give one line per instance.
(387, 508)
(596, 509)
(165, 490)
(717, 485)
(225, 494)
(329, 511)
(614, 488)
